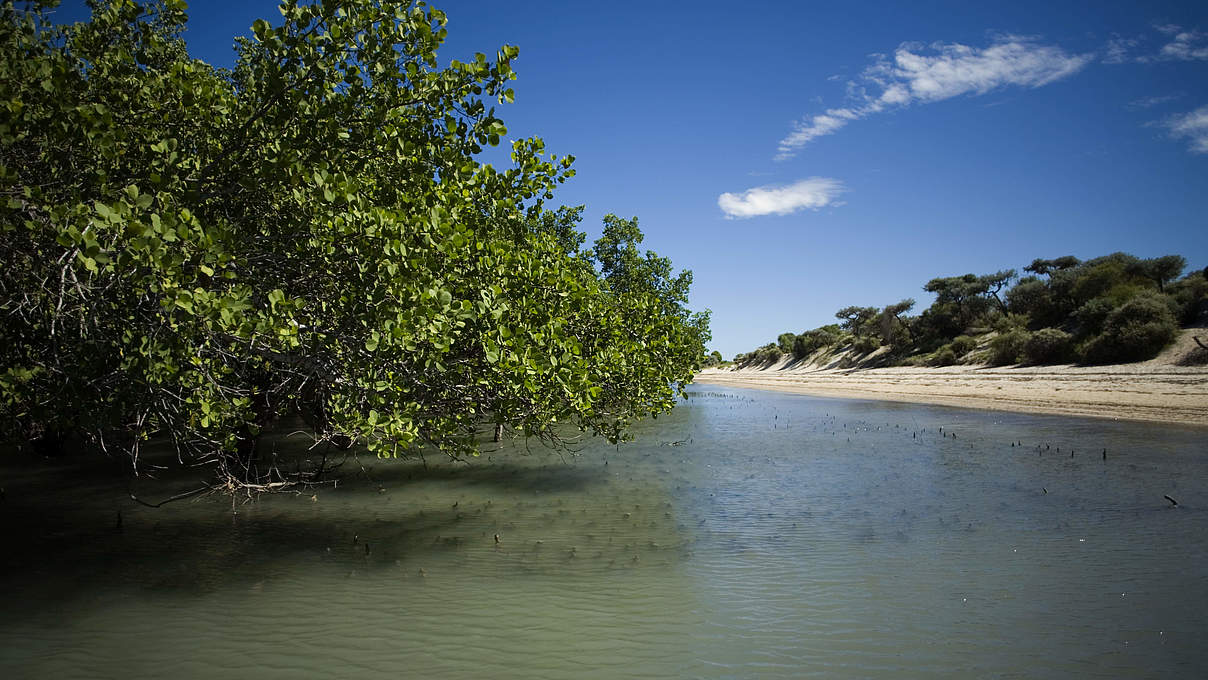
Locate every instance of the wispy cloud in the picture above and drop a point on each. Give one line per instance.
(1192, 125)
(958, 69)
(922, 74)
(817, 126)
(1150, 102)
(1119, 49)
(1184, 45)
(1178, 44)
(812, 193)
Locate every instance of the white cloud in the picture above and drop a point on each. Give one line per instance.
(1150, 102)
(959, 69)
(1184, 45)
(1192, 125)
(1118, 49)
(812, 193)
(816, 126)
(940, 71)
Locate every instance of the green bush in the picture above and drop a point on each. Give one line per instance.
(1008, 347)
(963, 344)
(1136, 331)
(865, 344)
(1005, 323)
(1049, 346)
(1096, 278)
(944, 356)
(1091, 316)
(1030, 296)
(1191, 295)
(785, 342)
(802, 347)
(809, 342)
(767, 354)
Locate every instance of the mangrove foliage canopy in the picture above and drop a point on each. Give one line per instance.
(194, 252)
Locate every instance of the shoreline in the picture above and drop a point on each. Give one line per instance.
(1147, 391)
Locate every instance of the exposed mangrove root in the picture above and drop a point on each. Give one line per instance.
(177, 497)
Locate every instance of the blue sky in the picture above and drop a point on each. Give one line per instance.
(802, 157)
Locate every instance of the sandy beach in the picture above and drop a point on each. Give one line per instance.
(1160, 390)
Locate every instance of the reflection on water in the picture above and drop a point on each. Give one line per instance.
(748, 534)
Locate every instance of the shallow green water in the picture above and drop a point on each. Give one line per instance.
(786, 536)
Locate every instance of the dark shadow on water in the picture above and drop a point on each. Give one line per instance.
(68, 525)
(550, 475)
(70, 550)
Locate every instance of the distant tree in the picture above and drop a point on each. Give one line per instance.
(1065, 262)
(785, 342)
(973, 296)
(1117, 276)
(1031, 296)
(1191, 295)
(1074, 300)
(767, 354)
(1161, 270)
(965, 292)
(994, 283)
(802, 346)
(893, 330)
(939, 323)
(857, 320)
(1135, 331)
(812, 340)
(1045, 267)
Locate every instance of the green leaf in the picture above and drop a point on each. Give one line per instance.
(371, 254)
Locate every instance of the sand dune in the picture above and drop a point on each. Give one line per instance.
(1160, 390)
